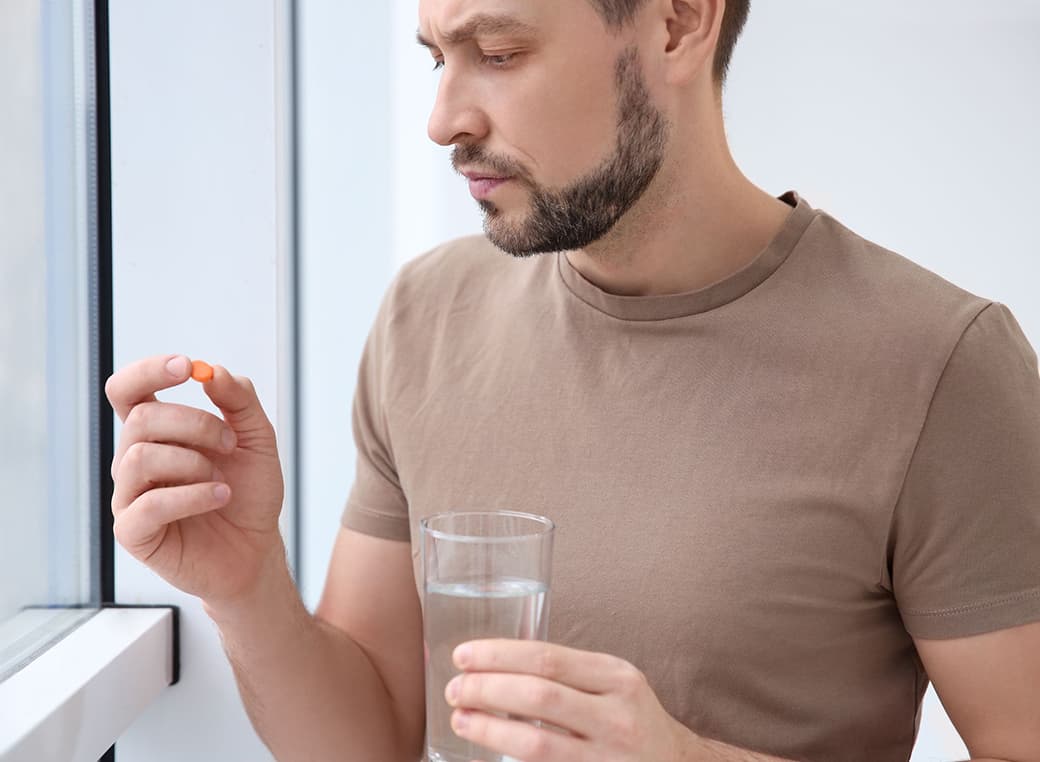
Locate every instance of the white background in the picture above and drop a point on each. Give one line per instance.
(910, 123)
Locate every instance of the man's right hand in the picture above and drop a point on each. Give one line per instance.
(169, 460)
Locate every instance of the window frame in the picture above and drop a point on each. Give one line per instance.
(76, 698)
(97, 674)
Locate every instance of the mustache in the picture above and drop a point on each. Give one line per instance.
(466, 155)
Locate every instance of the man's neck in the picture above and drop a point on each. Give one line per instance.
(675, 240)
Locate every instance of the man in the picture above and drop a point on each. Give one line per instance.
(795, 475)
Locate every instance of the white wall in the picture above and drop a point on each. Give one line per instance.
(345, 239)
(195, 255)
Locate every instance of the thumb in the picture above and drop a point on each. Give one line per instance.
(236, 398)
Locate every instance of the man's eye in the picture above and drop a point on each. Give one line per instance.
(498, 61)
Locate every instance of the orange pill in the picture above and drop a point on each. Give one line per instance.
(201, 371)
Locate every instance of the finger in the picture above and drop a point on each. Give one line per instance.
(528, 696)
(141, 526)
(148, 464)
(236, 398)
(173, 424)
(139, 381)
(518, 740)
(583, 670)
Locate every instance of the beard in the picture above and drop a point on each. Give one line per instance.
(587, 209)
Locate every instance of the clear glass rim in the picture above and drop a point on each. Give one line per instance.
(547, 527)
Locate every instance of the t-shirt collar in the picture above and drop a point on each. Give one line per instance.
(663, 307)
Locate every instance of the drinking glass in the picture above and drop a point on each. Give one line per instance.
(486, 574)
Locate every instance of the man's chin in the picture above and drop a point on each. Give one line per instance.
(509, 238)
(502, 222)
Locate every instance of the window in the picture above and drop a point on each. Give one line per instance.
(49, 553)
(66, 653)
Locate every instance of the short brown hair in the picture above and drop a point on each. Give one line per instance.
(618, 13)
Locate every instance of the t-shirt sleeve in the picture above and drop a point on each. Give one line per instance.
(376, 505)
(965, 542)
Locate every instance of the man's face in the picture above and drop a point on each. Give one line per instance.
(541, 94)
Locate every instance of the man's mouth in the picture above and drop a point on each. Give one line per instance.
(482, 185)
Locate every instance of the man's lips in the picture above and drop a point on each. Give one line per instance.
(474, 174)
(481, 186)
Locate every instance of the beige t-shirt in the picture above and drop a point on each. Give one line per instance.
(762, 488)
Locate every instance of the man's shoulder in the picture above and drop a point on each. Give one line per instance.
(871, 280)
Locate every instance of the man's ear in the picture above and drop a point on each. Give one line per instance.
(693, 32)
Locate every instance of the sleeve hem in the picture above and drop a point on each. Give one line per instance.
(376, 524)
(975, 619)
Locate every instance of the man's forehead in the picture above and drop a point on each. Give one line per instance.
(451, 20)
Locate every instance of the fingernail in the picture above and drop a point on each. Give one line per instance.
(221, 492)
(459, 720)
(461, 655)
(218, 475)
(452, 691)
(178, 366)
(227, 439)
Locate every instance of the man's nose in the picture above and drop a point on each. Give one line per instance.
(455, 118)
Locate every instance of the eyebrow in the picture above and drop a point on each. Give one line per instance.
(481, 24)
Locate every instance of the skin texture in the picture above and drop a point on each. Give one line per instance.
(168, 463)
(591, 205)
(989, 685)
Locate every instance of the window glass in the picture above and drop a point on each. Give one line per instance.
(48, 519)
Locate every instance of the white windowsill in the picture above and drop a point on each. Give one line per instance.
(74, 700)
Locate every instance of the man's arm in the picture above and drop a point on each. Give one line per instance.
(346, 683)
(990, 687)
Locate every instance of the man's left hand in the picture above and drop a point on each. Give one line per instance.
(604, 704)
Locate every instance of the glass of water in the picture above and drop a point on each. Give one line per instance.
(486, 575)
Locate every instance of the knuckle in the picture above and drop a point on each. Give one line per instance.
(135, 458)
(147, 503)
(203, 430)
(538, 746)
(548, 664)
(632, 679)
(133, 418)
(137, 420)
(622, 727)
(545, 695)
(119, 531)
(201, 465)
(469, 691)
